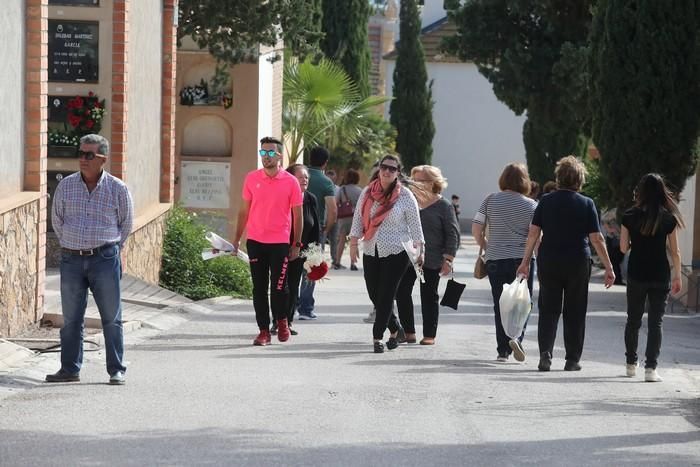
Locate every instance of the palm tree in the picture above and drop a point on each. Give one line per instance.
(322, 106)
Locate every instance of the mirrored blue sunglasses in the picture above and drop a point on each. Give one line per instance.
(267, 152)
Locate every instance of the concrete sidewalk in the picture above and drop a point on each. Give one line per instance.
(201, 394)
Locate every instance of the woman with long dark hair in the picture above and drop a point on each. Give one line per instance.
(386, 213)
(646, 227)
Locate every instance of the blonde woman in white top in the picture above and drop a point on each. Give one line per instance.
(386, 213)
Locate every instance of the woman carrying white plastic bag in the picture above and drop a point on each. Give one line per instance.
(515, 307)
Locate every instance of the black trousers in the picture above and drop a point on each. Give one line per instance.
(294, 271)
(430, 309)
(382, 277)
(563, 290)
(268, 268)
(638, 293)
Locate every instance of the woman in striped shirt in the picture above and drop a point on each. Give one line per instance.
(508, 214)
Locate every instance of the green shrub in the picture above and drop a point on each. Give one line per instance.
(183, 270)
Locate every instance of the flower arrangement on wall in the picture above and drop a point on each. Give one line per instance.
(85, 114)
(207, 93)
(61, 138)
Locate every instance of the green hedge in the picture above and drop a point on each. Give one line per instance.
(183, 270)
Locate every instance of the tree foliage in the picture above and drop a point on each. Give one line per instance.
(534, 54)
(411, 110)
(645, 91)
(346, 39)
(232, 30)
(323, 106)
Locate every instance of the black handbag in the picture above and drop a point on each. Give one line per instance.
(453, 292)
(345, 208)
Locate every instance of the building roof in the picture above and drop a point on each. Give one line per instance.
(431, 37)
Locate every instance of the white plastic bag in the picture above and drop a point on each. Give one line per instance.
(515, 307)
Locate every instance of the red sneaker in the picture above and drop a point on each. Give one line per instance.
(263, 338)
(283, 330)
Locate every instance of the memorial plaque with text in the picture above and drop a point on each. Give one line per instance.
(75, 2)
(73, 51)
(205, 185)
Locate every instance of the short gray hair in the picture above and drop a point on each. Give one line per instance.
(101, 141)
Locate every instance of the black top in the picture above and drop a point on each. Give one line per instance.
(648, 261)
(566, 218)
(441, 232)
(311, 231)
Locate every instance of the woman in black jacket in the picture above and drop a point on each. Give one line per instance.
(310, 234)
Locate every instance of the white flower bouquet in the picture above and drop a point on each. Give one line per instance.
(316, 262)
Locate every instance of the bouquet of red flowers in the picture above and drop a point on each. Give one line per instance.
(85, 114)
(316, 264)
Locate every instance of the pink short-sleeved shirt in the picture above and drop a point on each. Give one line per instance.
(271, 202)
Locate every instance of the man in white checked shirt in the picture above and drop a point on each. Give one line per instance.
(92, 216)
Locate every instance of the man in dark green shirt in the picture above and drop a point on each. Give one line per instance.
(322, 187)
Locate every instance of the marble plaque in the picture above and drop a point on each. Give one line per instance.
(73, 51)
(205, 185)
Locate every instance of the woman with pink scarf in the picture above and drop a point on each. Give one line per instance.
(386, 214)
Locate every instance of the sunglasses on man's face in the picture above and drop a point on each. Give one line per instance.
(267, 152)
(87, 155)
(390, 168)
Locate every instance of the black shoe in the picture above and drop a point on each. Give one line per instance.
(379, 347)
(401, 336)
(545, 361)
(63, 377)
(571, 365)
(293, 331)
(353, 267)
(392, 343)
(273, 330)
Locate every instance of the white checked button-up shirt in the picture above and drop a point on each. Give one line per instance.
(84, 220)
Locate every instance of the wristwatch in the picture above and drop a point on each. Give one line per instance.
(298, 244)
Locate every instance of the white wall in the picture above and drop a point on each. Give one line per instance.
(432, 11)
(145, 116)
(12, 96)
(687, 208)
(265, 101)
(475, 134)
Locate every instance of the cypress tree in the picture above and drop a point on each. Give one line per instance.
(412, 108)
(346, 39)
(645, 92)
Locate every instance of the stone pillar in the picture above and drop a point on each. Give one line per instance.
(167, 187)
(120, 79)
(35, 136)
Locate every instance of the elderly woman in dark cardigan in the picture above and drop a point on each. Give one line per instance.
(310, 234)
(568, 223)
(441, 233)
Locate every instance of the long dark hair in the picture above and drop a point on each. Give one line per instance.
(400, 176)
(653, 198)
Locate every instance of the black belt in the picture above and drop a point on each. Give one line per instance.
(91, 252)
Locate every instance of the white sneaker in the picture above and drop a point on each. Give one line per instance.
(631, 369)
(518, 352)
(651, 376)
(502, 359)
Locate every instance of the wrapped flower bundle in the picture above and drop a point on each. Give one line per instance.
(316, 264)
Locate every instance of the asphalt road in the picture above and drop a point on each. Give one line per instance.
(201, 394)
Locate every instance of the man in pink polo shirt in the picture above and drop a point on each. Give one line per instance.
(271, 197)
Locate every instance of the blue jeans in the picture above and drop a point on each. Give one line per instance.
(502, 271)
(306, 291)
(101, 273)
